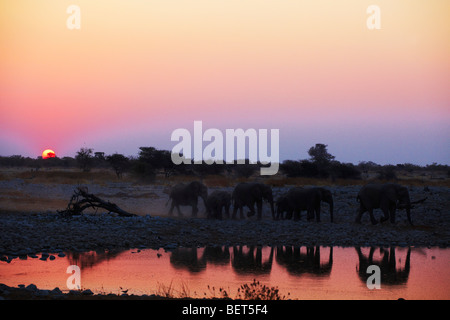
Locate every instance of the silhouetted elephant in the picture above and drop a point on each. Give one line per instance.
(282, 206)
(187, 195)
(299, 263)
(389, 273)
(386, 197)
(217, 201)
(247, 194)
(298, 199)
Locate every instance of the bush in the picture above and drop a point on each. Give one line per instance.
(387, 173)
(345, 171)
(257, 291)
(303, 168)
(119, 163)
(246, 169)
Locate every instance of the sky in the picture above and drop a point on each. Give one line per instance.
(137, 70)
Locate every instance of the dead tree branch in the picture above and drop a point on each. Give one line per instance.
(82, 200)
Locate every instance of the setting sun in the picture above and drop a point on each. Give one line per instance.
(48, 154)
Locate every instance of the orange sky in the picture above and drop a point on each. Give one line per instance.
(137, 70)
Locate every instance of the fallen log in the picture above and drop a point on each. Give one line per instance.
(82, 200)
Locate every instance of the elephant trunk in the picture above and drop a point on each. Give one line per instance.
(204, 195)
(279, 211)
(408, 212)
(272, 209)
(204, 201)
(406, 201)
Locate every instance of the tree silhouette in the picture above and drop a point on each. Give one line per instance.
(322, 158)
(84, 159)
(320, 154)
(119, 163)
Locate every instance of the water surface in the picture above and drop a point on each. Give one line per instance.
(298, 272)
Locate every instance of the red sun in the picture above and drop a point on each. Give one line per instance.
(48, 154)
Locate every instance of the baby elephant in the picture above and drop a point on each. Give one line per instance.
(282, 206)
(217, 201)
(309, 199)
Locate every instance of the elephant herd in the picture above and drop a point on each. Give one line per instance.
(387, 197)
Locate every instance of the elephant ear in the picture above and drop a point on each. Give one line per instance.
(403, 193)
(391, 194)
(203, 189)
(195, 187)
(322, 193)
(266, 192)
(257, 191)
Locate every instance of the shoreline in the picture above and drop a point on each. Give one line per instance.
(30, 234)
(31, 292)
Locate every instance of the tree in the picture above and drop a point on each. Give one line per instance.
(387, 172)
(151, 159)
(319, 154)
(322, 158)
(119, 163)
(84, 159)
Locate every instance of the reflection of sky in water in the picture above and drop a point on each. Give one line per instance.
(304, 273)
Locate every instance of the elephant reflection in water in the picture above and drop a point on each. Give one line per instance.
(297, 262)
(251, 260)
(217, 255)
(90, 259)
(188, 258)
(389, 273)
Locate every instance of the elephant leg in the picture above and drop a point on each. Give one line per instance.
(360, 213)
(289, 214)
(171, 209)
(209, 211)
(259, 208)
(227, 211)
(241, 212)
(372, 218)
(392, 209)
(194, 208)
(194, 211)
(252, 210)
(296, 215)
(317, 209)
(280, 215)
(179, 211)
(372, 251)
(309, 214)
(385, 208)
(385, 215)
(218, 213)
(235, 208)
